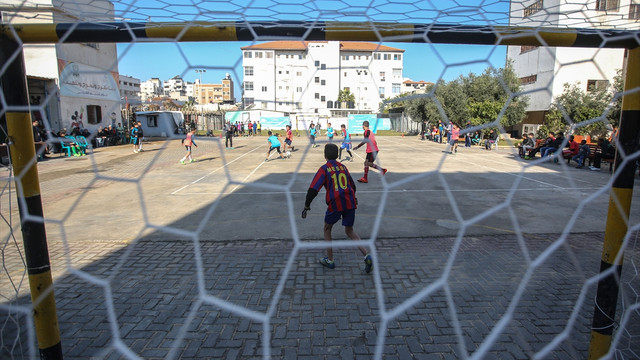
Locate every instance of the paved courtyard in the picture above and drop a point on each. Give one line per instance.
(211, 259)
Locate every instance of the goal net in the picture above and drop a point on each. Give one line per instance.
(483, 245)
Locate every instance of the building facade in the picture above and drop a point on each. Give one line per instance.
(130, 90)
(307, 77)
(544, 70)
(70, 85)
(215, 93)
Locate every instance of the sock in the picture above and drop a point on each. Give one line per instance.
(350, 154)
(184, 158)
(366, 172)
(190, 158)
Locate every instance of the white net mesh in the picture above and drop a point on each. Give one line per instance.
(477, 255)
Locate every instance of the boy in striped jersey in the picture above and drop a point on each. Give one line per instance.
(341, 202)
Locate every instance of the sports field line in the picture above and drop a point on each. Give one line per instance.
(215, 170)
(502, 164)
(559, 189)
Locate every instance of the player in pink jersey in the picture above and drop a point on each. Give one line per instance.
(372, 152)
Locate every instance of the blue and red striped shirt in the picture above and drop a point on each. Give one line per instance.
(335, 178)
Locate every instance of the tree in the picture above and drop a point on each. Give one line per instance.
(572, 110)
(345, 96)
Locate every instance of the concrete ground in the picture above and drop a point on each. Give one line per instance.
(211, 259)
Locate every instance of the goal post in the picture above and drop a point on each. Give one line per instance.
(320, 31)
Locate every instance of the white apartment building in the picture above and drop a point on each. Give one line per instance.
(306, 77)
(174, 85)
(544, 71)
(73, 84)
(129, 90)
(150, 89)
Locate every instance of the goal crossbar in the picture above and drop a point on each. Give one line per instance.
(122, 32)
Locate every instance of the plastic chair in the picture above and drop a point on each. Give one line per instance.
(64, 146)
(83, 143)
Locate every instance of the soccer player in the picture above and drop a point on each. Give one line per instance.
(188, 142)
(274, 144)
(312, 135)
(288, 140)
(372, 152)
(341, 202)
(134, 137)
(330, 132)
(346, 143)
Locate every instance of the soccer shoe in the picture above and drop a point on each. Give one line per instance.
(363, 180)
(328, 263)
(192, 160)
(384, 171)
(182, 162)
(368, 264)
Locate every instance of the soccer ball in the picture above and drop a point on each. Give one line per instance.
(288, 153)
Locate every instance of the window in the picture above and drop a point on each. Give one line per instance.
(258, 54)
(387, 56)
(323, 99)
(248, 54)
(264, 104)
(317, 80)
(317, 96)
(248, 85)
(607, 5)
(397, 56)
(323, 82)
(597, 85)
(317, 63)
(323, 66)
(248, 101)
(527, 48)
(376, 56)
(268, 54)
(298, 73)
(395, 88)
(397, 72)
(345, 74)
(529, 79)
(381, 75)
(264, 89)
(299, 89)
(533, 8)
(152, 121)
(634, 11)
(94, 114)
(248, 71)
(381, 91)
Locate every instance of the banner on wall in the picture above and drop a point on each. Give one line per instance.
(355, 123)
(85, 81)
(274, 122)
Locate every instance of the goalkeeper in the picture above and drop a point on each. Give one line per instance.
(341, 202)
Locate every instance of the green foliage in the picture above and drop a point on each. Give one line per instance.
(575, 106)
(479, 99)
(345, 95)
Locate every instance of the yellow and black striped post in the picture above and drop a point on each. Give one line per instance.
(23, 159)
(618, 216)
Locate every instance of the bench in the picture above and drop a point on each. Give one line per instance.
(41, 148)
(593, 149)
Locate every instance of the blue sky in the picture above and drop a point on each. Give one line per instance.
(166, 60)
(421, 61)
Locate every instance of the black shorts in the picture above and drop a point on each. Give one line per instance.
(371, 156)
(277, 148)
(287, 141)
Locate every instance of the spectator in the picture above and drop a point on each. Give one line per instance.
(120, 133)
(552, 146)
(547, 141)
(467, 135)
(583, 153)
(491, 139)
(605, 151)
(476, 138)
(573, 148)
(526, 145)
